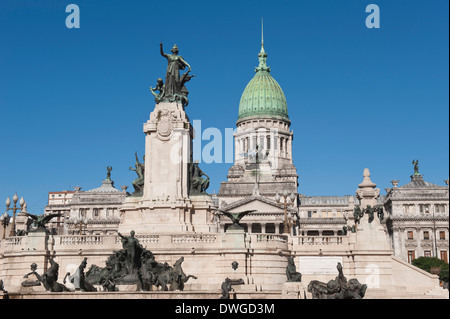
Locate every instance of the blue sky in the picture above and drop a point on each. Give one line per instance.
(73, 101)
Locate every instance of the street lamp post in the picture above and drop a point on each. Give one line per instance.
(4, 220)
(434, 235)
(288, 201)
(14, 209)
(82, 223)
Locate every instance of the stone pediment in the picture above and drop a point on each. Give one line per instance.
(261, 204)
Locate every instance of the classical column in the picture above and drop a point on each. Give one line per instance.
(290, 148)
(263, 228)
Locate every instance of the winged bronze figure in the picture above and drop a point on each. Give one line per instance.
(41, 220)
(235, 218)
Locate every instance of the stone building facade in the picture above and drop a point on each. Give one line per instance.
(92, 212)
(418, 219)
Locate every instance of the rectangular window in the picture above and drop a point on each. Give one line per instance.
(427, 253)
(309, 214)
(424, 208)
(426, 235)
(408, 209)
(439, 208)
(410, 235)
(442, 235)
(411, 256)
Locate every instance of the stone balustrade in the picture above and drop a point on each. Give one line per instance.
(318, 240)
(197, 238)
(271, 238)
(13, 241)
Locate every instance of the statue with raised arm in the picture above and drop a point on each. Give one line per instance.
(173, 84)
(133, 251)
(138, 183)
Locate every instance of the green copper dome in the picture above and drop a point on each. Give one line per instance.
(263, 96)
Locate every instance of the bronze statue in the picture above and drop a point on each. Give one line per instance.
(179, 277)
(50, 278)
(416, 167)
(357, 214)
(338, 288)
(226, 286)
(2, 287)
(380, 212)
(79, 280)
(133, 248)
(345, 229)
(159, 87)
(40, 221)
(145, 272)
(236, 218)
(108, 174)
(291, 271)
(33, 278)
(198, 184)
(138, 183)
(369, 211)
(173, 83)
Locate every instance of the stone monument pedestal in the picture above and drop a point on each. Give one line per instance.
(166, 205)
(293, 290)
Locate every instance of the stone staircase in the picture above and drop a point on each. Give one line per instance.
(402, 293)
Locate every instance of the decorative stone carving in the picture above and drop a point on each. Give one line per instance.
(164, 126)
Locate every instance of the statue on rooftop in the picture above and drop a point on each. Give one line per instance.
(416, 167)
(108, 174)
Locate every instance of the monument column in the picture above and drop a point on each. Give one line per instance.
(169, 194)
(372, 253)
